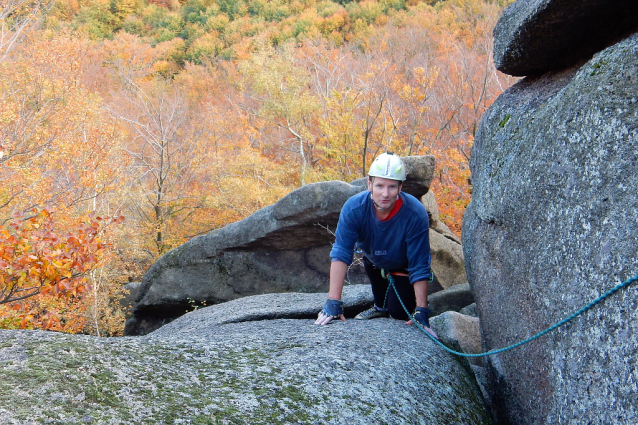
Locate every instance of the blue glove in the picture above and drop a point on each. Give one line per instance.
(422, 315)
(333, 308)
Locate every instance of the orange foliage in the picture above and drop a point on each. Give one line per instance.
(60, 149)
(35, 258)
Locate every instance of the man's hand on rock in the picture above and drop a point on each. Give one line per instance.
(422, 316)
(333, 309)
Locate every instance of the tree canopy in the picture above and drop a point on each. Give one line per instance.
(171, 119)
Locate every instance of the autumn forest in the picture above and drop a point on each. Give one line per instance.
(128, 127)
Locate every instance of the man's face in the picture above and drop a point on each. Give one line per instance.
(384, 192)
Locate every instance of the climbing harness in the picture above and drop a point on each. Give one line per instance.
(616, 288)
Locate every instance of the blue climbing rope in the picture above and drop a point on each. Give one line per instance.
(607, 294)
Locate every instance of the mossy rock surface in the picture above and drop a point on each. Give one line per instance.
(201, 370)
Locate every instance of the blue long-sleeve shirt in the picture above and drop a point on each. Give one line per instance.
(399, 243)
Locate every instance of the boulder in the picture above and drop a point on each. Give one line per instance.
(447, 260)
(553, 223)
(281, 248)
(420, 172)
(454, 298)
(127, 301)
(447, 254)
(460, 333)
(212, 366)
(536, 36)
(470, 310)
(429, 202)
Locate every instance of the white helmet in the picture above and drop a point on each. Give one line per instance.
(388, 166)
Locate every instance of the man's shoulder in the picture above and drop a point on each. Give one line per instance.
(415, 208)
(411, 201)
(356, 206)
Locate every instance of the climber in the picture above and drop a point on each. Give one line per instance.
(391, 228)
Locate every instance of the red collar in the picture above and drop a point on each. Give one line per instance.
(395, 209)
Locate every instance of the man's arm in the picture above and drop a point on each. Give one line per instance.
(338, 270)
(348, 230)
(421, 293)
(422, 316)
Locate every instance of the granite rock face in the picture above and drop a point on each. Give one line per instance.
(281, 248)
(553, 223)
(536, 36)
(225, 364)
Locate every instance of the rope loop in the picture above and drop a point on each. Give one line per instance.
(607, 294)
